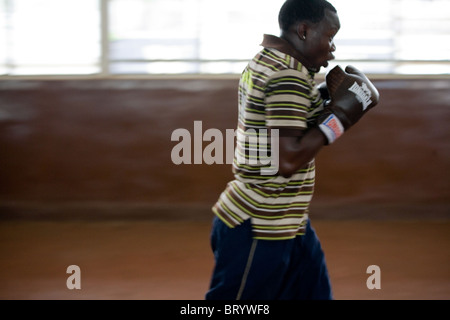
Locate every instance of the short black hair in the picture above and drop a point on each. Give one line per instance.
(293, 11)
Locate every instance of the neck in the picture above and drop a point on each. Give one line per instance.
(297, 45)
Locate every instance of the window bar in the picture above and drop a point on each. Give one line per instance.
(104, 21)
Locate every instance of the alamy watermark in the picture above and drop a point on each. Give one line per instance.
(374, 280)
(74, 280)
(262, 147)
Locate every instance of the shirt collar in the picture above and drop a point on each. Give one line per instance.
(271, 41)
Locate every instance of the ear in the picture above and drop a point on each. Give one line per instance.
(301, 30)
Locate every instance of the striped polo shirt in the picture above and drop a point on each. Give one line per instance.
(275, 92)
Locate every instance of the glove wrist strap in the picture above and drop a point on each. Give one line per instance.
(332, 128)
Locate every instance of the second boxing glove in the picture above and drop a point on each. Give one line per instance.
(351, 96)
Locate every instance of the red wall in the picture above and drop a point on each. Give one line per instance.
(101, 142)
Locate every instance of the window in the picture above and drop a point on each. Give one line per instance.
(187, 36)
(117, 37)
(395, 36)
(49, 37)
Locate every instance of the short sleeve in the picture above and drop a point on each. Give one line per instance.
(288, 100)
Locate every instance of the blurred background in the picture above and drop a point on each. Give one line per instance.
(92, 90)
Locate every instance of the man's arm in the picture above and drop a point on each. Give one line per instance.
(296, 151)
(351, 96)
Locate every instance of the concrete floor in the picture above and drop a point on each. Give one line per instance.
(171, 260)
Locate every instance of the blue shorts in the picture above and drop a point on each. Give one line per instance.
(249, 269)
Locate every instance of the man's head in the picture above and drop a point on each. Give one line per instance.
(310, 26)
